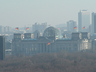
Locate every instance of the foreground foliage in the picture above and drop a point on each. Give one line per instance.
(54, 62)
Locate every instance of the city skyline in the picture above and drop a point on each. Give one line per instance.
(54, 12)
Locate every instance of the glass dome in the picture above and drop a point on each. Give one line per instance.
(51, 32)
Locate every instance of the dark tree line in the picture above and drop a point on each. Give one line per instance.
(54, 62)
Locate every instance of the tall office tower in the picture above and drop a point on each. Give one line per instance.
(83, 21)
(71, 26)
(93, 23)
(2, 47)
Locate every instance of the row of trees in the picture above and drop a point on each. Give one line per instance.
(54, 62)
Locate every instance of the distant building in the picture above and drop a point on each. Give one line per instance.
(93, 23)
(2, 47)
(83, 21)
(7, 29)
(39, 27)
(62, 27)
(50, 42)
(71, 26)
(1, 29)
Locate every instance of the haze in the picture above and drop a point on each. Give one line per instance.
(19, 13)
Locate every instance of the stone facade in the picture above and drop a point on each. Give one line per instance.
(50, 44)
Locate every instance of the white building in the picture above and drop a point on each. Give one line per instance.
(83, 21)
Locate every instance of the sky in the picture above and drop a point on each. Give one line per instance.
(20, 13)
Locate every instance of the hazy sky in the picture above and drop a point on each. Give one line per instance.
(18, 13)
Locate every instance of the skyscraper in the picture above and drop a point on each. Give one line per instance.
(2, 47)
(93, 23)
(83, 21)
(71, 26)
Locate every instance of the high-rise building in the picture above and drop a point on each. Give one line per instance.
(83, 21)
(93, 23)
(71, 26)
(2, 47)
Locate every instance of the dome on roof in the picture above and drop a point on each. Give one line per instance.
(51, 32)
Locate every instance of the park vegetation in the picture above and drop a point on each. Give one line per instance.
(51, 62)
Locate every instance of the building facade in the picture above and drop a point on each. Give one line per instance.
(49, 43)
